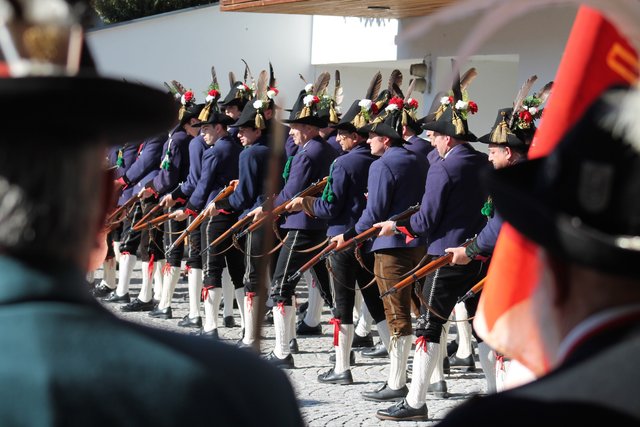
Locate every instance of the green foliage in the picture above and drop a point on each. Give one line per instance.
(114, 11)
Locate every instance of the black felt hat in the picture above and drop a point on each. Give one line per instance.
(450, 120)
(215, 117)
(239, 95)
(57, 68)
(253, 117)
(354, 119)
(306, 111)
(388, 123)
(502, 134)
(582, 201)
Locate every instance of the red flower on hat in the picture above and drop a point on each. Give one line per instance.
(316, 100)
(525, 116)
(451, 100)
(214, 93)
(188, 96)
(274, 90)
(397, 101)
(374, 108)
(413, 104)
(473, 107)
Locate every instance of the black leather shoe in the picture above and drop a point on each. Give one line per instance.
(385, 394)
(229, 322)
(379, 351)
(360, 342)
(352, 358)
(438, 389)
(452, 347)
(137, 305)
(401, 411)
(188, 322)
(304, 329)
(467, 364)
(330, 377)
(446, 368)
(286, 363)
(101, 290)
(161, 314)
(293, 346)
(113, 297)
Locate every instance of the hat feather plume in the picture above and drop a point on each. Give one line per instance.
(303, 79)
(544, 93)
(248, 77)
(179, 87)
(262, 87)
(321, 83)
(522, 94)
(467, 78)
(338, 92)
(455, 85)
(214, 77)
(411, 88)
(272, 77)
(232, 79)
(395, 81)
(374, 87)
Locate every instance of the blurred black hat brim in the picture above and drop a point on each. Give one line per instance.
(446, 128)
(576, 201)
(319, 122)
(92, 106)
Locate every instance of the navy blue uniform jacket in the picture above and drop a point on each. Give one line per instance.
(197, 146)
(176, 148)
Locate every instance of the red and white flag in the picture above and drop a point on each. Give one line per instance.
(596, 56)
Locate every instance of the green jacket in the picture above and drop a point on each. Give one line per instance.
(65, 360)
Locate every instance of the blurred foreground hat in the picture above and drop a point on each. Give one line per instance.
(582, 201)
(45, 63)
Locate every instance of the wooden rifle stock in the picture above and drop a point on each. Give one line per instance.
(156, 221)
(144, 221)
(311, 190)
(373, 231)
(423, 271)
(473, 291)
(195, 224)
(233, 229)
(321, 256)
(113, 218)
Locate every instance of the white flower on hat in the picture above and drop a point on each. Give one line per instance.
(209, 98)
(308, 88)
(308, 100)
(271, 94)
(257, 104)
(533, 111)
(445, 100)
(461, 105)
(391, 107)
(365, 103)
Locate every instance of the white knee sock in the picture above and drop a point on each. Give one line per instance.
(364, 321)
(194, 277)
(291, 331)
(314, 310)
(158, 278)
(211, 309)
(464, 332)
(282, 315)
(438, 370)
(357, 305)
(399, 354)
(424, 362)
(169, 283)
(228, 293)
(127, 262)
(488, 363)
(250, 312)
(343, 349)
(116, 249)
(145, 288)
(383, 332)
(109, 273)
(240, 298)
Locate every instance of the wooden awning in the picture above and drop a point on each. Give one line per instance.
(361, 8)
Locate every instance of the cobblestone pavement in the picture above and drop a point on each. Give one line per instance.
(322, 404)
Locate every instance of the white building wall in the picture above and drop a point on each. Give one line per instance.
(184, 45)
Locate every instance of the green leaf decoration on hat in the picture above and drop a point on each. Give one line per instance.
(327, 194)
(287, 168)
